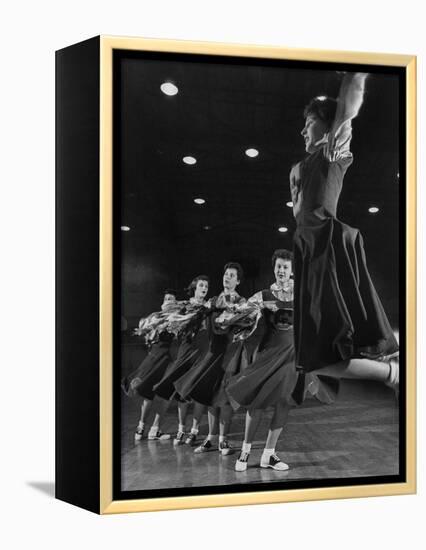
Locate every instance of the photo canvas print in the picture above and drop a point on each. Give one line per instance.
(259, 260)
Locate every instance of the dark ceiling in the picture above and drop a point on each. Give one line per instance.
(221, 110)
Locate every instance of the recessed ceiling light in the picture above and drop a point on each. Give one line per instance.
(373, 209)
(397, 175)
(289, 204)
(125, 228)
(207, 227)
(189, 160)
(168, 88)
(252, 153)
(199, 201)
(282, 229)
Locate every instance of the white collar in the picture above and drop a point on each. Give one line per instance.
(233, 294)
(192, 300)
(286, 287)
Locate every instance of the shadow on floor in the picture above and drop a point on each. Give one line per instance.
(46, 487)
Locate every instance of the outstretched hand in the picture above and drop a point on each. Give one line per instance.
(271, 305)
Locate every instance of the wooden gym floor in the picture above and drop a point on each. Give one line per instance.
(357, 436)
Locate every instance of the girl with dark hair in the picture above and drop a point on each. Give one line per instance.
(339, 322)
(142, 381)
(192, 344)
(270, 379)
(206, 380)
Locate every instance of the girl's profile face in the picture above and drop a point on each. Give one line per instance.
(201, 289)
(167, 300)
(313, 132)
(230, 279)
(282, 270)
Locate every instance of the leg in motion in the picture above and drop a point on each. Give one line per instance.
(210, 442)
(386, 371)
(196, 419)
(145, 410)
(224, 425)
(252, 422)
(269, 458)
(155, 430)
(182, 412)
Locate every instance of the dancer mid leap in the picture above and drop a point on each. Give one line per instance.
(339, 323)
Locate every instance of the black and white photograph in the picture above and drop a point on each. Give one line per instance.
(259, 274)
(212, 293)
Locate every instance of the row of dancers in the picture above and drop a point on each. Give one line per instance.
(339, 328)
(225, 376)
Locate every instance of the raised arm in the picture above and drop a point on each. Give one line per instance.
(349, 102)
(351, 96)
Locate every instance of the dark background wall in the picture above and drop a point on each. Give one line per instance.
(219, 112)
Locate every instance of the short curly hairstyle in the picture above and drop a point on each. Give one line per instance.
(282, 253)
(190, 289)
(171, 291)
(322, 107)
(237, 267)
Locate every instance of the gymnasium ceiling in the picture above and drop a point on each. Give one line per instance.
(219, 112)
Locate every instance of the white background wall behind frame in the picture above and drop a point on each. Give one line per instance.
(30, 33)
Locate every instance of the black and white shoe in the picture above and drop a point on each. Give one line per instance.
(139, 433)
(190, 439)
(205, 447)
(241, 463)
(157, 435)
(273, 462)
(225, 448)
(179, 438)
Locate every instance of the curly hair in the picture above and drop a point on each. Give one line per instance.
(322, 107)
(190, 289)
(237, 267)
(282, 253)
(171, 291)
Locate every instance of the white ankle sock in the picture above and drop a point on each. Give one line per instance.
(246, 447)
(154, 429)
(194, 431)
(212, 438)
(141, 425)
(222, 438)
(393, 377)
(267, 453)
(181, 428)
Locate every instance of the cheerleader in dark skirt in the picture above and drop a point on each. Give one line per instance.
(142, 381)
(205, 382)
(339, 323)
(271, 378)
(193, 344)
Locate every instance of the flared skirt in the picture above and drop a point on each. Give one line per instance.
(148, 374)
(206, 381)
(337, 312)
(185, 360)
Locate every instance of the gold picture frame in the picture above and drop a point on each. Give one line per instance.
(105, 504)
